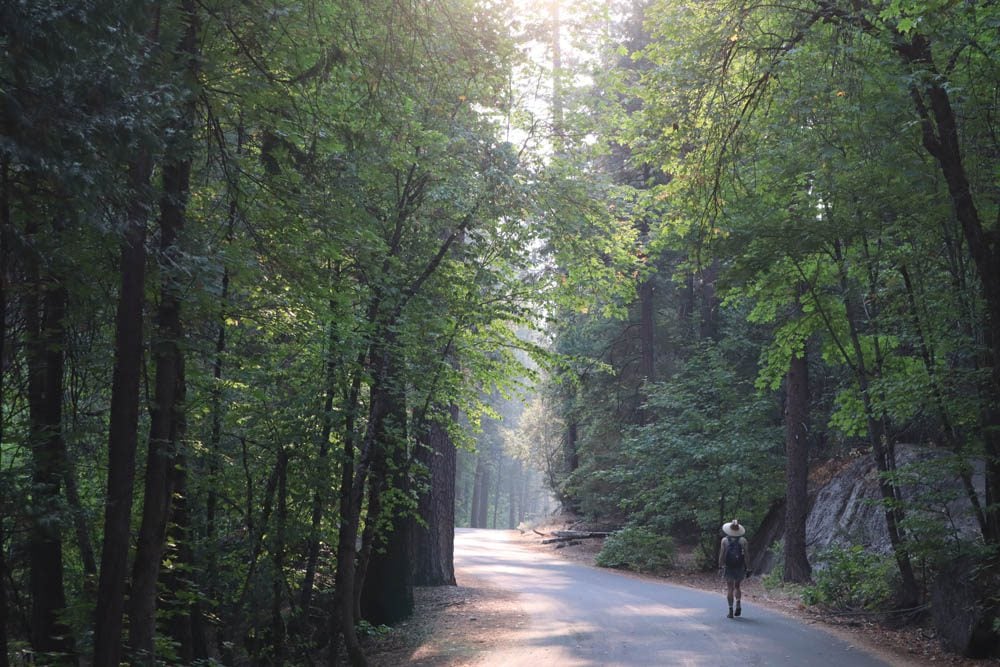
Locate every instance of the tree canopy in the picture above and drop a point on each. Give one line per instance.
(288, 290)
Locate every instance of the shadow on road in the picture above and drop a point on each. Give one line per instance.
(582, 615)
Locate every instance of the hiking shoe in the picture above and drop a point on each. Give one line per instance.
(730, 614)
(738, 610)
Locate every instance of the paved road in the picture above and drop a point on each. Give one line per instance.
(584, 616)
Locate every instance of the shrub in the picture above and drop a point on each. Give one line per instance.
(775, 578)
(851, 578)
(638, 549)
(366, 629)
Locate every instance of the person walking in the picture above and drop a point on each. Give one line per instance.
(733, 559)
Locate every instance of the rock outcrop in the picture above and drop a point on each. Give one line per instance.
(847, 510)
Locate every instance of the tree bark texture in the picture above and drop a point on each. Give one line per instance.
(123, 426)
(797, 567)
(433, 543)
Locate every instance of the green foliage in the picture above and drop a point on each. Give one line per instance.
(938, 515)
(775, 578)
(637, 548)
(851, 578)
(710, 451)
(737, 186)
(366, 629)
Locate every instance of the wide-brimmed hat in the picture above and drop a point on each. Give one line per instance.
(733, 528)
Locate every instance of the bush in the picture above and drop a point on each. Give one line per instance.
(775, 578)
(852, 578)
(638, 549)
(366, 629)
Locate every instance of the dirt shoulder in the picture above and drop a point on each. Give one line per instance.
(453, 625)
(450, 626)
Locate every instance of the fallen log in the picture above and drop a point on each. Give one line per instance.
(579, 534)
(568, 538)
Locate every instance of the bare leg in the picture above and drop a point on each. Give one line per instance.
(739, 596)
(730, 586)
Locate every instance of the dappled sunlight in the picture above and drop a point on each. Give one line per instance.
(653, 610)
(580, 615)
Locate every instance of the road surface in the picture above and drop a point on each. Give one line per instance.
(587, 616)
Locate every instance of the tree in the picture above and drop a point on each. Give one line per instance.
(166, 432)
(818, 213)
(433, 541)
(796, 567)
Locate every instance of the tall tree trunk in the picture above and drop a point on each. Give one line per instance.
(482, 493)
(525, 503)
(183, 599)
(45, 311)
(383, 580)
(572, 449)
(797, 567)
(512, 485)
(496, 493)
(709, 301)
(387, 589)
(206, 575)
(941, 138)
(123, 424)
(158, 491)
(352, 478)
(165, 415)
(433, 542)
(571, 461)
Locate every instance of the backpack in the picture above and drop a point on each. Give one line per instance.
(734, 553)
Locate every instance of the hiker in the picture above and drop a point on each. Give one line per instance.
(733, 559)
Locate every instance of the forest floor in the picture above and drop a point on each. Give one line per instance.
(452, 625)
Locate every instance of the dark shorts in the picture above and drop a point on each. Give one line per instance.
(736, 574)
